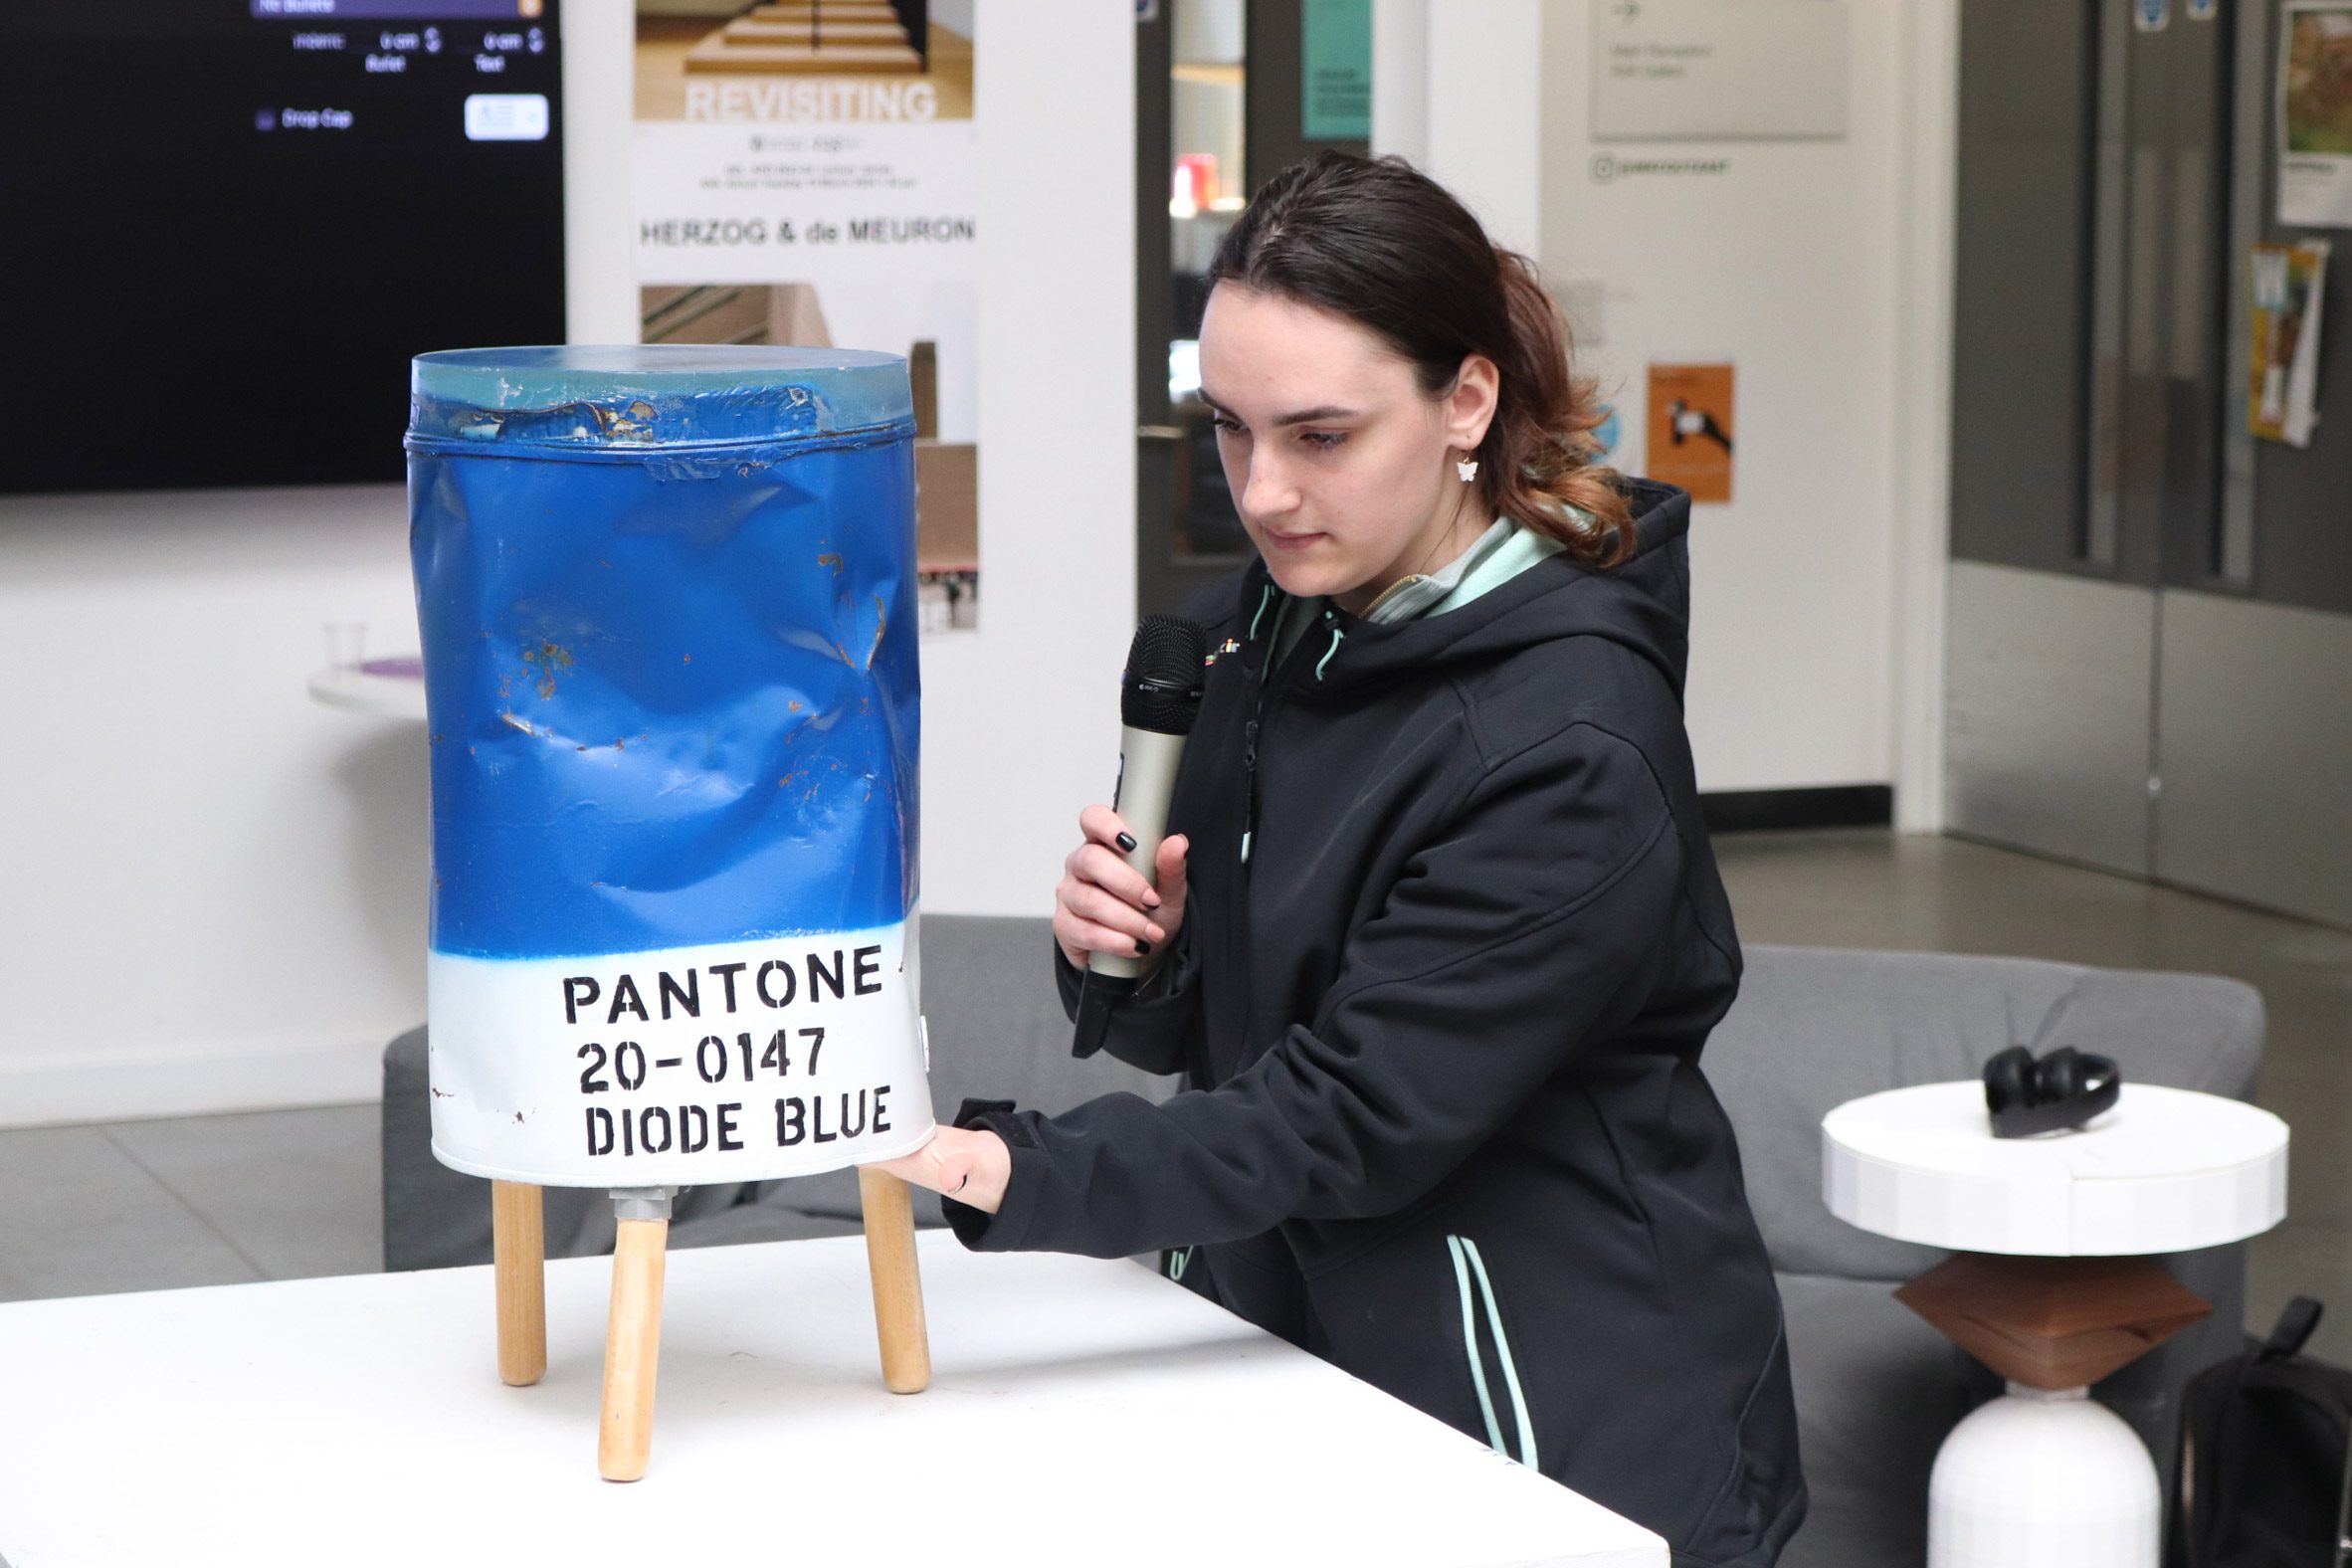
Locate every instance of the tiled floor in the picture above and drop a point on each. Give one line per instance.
(205, 1200)
(278, 1195)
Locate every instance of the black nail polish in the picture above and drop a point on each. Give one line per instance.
(1126, 840)
(1142, 947)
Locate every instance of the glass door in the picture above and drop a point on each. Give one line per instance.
(1221, 97)
(1190, 181)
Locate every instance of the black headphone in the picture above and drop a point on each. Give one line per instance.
(2064, 1090)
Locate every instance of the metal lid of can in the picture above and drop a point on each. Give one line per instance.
(615, 398)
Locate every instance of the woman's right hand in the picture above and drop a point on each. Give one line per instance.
(1105, 906)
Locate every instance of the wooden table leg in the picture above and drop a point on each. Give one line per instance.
(518, 1243)
(898, 1281)
(632, 1350)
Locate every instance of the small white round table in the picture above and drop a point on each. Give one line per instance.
(2053, 1287)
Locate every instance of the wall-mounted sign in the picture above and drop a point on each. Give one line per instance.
(2315, 114)
(1691, 429)
(1336, 71)
(813, 179)
(2282, 402)
(1718, 70)
(1608, 167)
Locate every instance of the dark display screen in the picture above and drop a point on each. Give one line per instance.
(226, 225)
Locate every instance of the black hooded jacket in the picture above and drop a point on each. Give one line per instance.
(1454, 943)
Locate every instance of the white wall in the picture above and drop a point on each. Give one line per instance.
(1930, 176)
(1483, 112)
(1021, 717)
(1815, 268)
(212, 889)
(1785, 266)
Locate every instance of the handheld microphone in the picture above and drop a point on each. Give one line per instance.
(1159, 697)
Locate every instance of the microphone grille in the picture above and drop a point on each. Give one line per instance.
(1161, 690)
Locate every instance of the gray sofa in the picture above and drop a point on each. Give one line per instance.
(1876, 1388)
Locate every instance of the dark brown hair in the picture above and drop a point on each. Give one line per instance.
(1384, 245)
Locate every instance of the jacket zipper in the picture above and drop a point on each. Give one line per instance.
(1262, 708)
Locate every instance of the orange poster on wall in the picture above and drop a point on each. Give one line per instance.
(1690, 423)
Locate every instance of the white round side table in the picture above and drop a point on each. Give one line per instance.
(2051, 1285)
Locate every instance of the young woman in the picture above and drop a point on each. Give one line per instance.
(1438, 933)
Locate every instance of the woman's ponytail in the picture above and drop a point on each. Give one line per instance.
(1540, 446)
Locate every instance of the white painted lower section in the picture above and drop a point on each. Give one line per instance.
(731, 1062)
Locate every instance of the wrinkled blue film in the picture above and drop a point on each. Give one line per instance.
(668, 601)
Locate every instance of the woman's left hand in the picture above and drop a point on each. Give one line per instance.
(969, 1164)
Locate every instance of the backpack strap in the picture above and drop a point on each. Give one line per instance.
(2344, 1513)
(2207, 1456)
(2294, 1327)
(2286, 1341)
(2180, 1531)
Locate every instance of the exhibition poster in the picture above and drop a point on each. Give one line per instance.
(1691, 424)
(807, 173)
(2315, 114)
(2282, 402)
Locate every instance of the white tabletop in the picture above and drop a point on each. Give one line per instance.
(1081, 1411)
(2167, 1170)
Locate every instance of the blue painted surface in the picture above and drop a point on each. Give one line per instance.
(670, 648)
